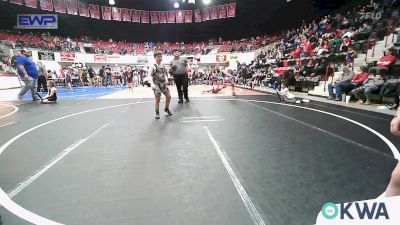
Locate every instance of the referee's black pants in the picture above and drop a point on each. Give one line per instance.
(42, 82)
(182, 83)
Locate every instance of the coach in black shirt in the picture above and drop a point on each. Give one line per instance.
(180, 73)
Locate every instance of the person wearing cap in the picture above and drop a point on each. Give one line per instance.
(158, 79)
(180, 73)
(28, 72)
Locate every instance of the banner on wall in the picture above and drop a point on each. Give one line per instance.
(70, 57)
(233, 60)
(75, 7)
(106, 11)
(142, 59)
(214, 13)
(145, 16)
(197, 15)
(188, 16)
(18, 2)
(37, 21)
(46, 56)
(171, 16)
(231, 10)
(154, 17)
(31, 3)
(135, 16)
(126, 15)
(83, 9)
(222, 11)
(46, 5)
(100, 58)
(206, 14)
(163, 17)
(72, 7)
(60, 6)
(220, 58)
(179, 16)
(94, 11)
(116, 14)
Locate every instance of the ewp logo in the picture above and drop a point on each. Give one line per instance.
(358, 211)
(37, 21)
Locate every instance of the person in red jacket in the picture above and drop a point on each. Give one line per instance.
(384, 63)
(296, 53)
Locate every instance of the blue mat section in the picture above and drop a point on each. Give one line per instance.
(80, 93)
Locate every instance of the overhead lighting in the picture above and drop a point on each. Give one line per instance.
(192, 1)
(206, 2)
(111, 2)
(183, 1)
(176, 5)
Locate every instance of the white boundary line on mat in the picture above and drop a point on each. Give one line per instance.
(25, 214)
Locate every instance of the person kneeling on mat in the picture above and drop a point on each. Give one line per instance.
(158, 80)
(51, 97)
(286, 96)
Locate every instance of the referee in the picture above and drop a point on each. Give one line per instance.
(180, 73)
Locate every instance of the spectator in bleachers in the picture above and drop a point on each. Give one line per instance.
(308, 69)
(344, 78)
(371, 84)
(357, 81)
(346, 42)
(365, 29)
(391, 88)
(351, 53)
(324, 48)
(384, 63)
(320, 68)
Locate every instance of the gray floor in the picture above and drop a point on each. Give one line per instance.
(136, 170)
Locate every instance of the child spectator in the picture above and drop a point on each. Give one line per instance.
(350, 56)
(288, 97)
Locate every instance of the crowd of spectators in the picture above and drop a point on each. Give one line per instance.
(300, 56)
(45, 41)
(315, 50)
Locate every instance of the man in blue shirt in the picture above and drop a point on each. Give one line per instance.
(28, 72)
